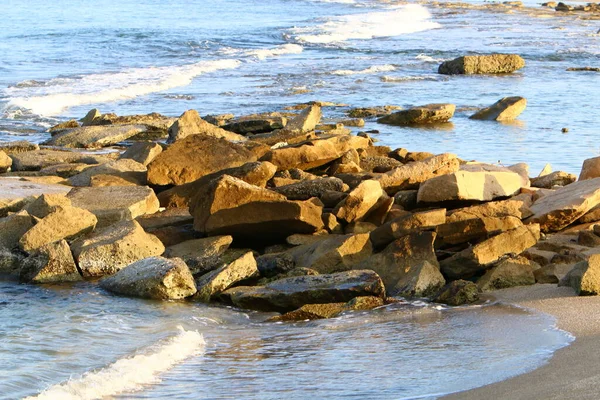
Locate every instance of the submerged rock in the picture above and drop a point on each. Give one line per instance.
(457, 293)
(153, 278)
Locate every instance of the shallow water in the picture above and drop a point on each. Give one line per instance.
(240, 56)
(79, 342)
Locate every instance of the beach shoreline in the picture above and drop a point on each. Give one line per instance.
(571, 372)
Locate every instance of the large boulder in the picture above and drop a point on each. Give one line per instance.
(514, 271)
(471, 183)
(111, 249)
(5, 162)
(306, 121)
(190, 123)
(15, 193)
(112, 204)
(38, 159)
(410, 175)
(213, 283)
(427, 114)
(192, 158)
(332, 253)
(51, 263)
(486, 64)
(93, 137)
(505, 109)
(408, 266)
(153, 278)
(291, 293)
(457, 293)
(142, 152)
(584, 278)
(63, 223)
(398, 227)
(126, 169)
(197, 251)
(234, 207)
(255, 173)
(590, 169)
(565, 205)
(359, 202)
(12, 228)
(474, 229)
(315, 153)
(480, 257)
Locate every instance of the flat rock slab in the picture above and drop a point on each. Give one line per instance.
(190, 123)
(291, 293)
(94, 137)
(505, 109)
(112, 204)
(427, 114)
(15, 193)
(564, 206)
(36, 160)
(126, 169)
(486, 64)
(153, 278)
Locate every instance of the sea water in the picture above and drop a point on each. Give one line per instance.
(239, 56)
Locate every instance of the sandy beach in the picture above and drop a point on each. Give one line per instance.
(572, 372)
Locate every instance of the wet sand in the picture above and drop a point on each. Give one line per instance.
(573, 372)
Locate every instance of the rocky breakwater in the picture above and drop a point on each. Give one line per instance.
(279, 216)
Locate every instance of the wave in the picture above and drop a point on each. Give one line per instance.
(289, 48)
(371, 70)
(128, 374)
(391, 22)
(429, 59)
(408, 78)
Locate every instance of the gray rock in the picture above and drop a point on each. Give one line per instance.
(36, 160)
(94, 137)
(458, 292)
(304, 190)
(52, 263)
(213, 283)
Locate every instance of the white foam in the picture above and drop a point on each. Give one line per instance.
(392, 22)
(371, 70)
(128, 374)
(60, 94)
(289, 48)
(426, 58)
(407, 78)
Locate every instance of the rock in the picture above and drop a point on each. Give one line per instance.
(331, 310)
(588, 239)
(552, 273)
(299, 239)
(409, 176)
(113, 204)
(5, 162)
(47, 203)
(172, 235)
(331, 223)
(190, 123)
(457, 232)
(90, 117)
(64, 126)
(213, 283)
(142, 152)
(166, 218)
(10, 262)
(314, 153)
(192, 158)
(65, 170)
(281, 138)
(36, 160)
(458, 292)
(360, 227)
(195, 252)
(372, 112)
(552, 179)
(12, 228)
(478, 258)
(127, 169)
(590, 169)
(514, 271)
(232, 206)
(427, 114)
(359, 202)
(305, 190)
(253, 125)
(306, 121)
(407, 199)
(94, 137)
(15, 193)
(517, 207)
(505, 109)
(591, 216)
(111, 180)
(334, 253)
(378, 164)
(52, 263)
(111, 249)
(156, 125)
(408, 266)
(470, 183)
(565, 205)
(331, 199)
(153, 278)
(390, 231)
(485, 64)
(219, 119)
(584, 278)
(562, 7)
(291, 293)
(255, 173)
(18, 146)
(63, 223)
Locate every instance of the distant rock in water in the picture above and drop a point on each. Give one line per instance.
(584, 69)
(427, 114)
(487, 64)
(505, 109)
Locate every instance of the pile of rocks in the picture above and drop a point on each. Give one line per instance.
(282, 216)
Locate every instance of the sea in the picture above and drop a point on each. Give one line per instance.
(60, 59)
